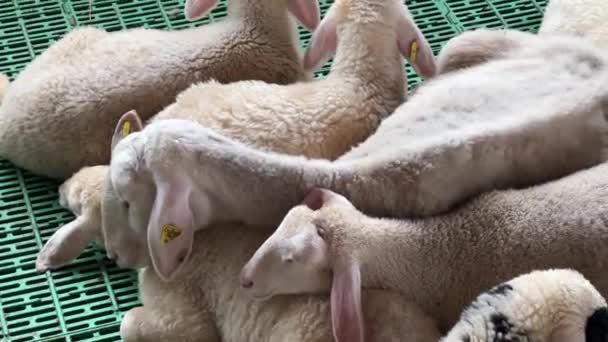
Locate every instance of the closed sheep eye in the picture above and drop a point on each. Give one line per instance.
(321, 232)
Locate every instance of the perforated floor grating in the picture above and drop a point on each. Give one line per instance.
(86, 300)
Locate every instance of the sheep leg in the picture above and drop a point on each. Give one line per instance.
(144, 325)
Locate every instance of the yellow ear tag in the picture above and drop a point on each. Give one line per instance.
(414, 51)
(126, 128)
(169, 233)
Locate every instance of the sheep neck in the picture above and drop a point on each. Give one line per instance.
(256, 9)
(361, 56)
(406, 257)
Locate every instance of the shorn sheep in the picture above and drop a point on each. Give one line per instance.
(556, 305)
(322, 118)
(58, 115)
(538, 131)
(439, 263)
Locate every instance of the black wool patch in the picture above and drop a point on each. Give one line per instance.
(596, 329)
(501, 289)
(504, 330)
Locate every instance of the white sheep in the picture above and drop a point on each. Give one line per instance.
(367, 83)
(439, 263)
(461, 134)
(4, 82)
(208, 288)
(205, 303)
(81, 194)
(479, 46)
(58, 115)
(583, 18)
(557, 305)
(321, 119)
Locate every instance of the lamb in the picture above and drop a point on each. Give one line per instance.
(583, 18)
(4, 82)
(439, 263)
(479, 46)
(209, 288)
(59, 114)
(81, 194)
(541, 136)
(366, 84)
(557, 305)
(323, 118)
(204, 303)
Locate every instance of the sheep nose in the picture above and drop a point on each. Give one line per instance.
(246, 282)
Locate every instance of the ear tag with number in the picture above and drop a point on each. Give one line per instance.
(169, 233)
(126, 129)
(413, 51)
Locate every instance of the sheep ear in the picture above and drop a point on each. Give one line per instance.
(317, 198)
(306, 11)
(129, 122)
(68, 242)
(346, 311)
(196, 9)
(414, 46)
(323, 43)
(171, 226)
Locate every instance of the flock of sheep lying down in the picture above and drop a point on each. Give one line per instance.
(260, 205)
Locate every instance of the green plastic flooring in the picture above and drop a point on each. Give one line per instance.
(86, 300)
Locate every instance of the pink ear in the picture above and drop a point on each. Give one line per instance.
(171, 226)
(322, 44)
(346, 311)
(314, 199)
(129, 122)
(317, 198)
(306, 11)
(414, 47)
(196, 9)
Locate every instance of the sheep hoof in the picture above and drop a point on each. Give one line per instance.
(131, 324)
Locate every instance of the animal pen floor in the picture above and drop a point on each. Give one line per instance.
(86, 300)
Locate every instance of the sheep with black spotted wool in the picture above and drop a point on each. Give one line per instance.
(59, 113)
(557, 305)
